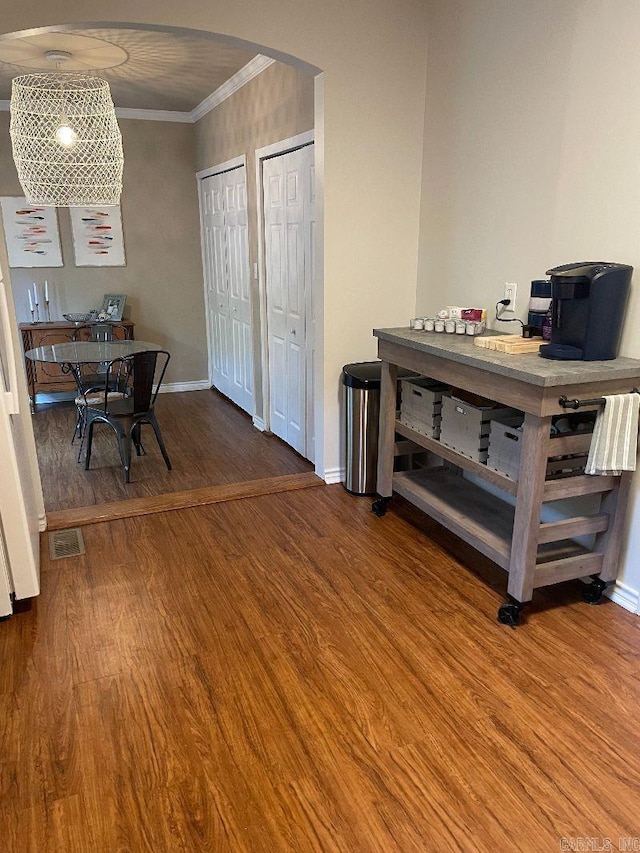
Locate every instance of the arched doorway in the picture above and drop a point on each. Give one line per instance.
(183, 338)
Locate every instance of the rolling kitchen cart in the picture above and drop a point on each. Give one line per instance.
(534, 553)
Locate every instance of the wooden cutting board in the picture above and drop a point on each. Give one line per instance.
(509, 343)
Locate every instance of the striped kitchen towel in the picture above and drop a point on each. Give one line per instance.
(615, 436)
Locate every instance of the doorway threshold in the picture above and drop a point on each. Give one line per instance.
(82, 516)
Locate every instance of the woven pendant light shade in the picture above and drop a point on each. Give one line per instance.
(66, 141)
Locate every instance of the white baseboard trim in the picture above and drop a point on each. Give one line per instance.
(259, 423)
(333, 475)
(42, 523)
(195, 385)
(625, 596)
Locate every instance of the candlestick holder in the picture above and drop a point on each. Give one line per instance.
(36, 311)
(32, 315)
(47, 310)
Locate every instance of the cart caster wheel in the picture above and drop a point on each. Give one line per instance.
(509, 613)
(593, 592)
(379, 506)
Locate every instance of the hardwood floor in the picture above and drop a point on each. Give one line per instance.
(209, 440)
(291, 673)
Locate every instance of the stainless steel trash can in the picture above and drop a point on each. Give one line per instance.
(361, 382)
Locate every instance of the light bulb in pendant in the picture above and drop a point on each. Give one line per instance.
(65, 135)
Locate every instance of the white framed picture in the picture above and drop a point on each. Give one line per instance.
(31, 233)
(98, 240)
(113, 306)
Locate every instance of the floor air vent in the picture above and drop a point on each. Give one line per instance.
(66, 543)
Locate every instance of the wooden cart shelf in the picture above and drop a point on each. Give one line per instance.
(509, 531)
(486, 522)
(465, 509)
(464, 462)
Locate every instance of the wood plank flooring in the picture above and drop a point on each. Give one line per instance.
(209, 440)
(291, 673)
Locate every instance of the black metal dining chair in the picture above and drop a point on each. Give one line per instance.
(99, 332)
(124, 412)
(89, 381)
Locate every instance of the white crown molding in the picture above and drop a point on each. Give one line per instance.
(227, 166)
(142, 115)
(256, 66)
(154, 115)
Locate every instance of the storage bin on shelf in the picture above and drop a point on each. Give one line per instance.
(465, 424)
(505, 444)
(420, 405)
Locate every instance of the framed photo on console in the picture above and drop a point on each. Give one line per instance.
(113, 305)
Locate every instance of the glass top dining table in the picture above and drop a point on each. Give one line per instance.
(73, 353)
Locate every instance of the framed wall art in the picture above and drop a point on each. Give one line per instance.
(31, 233)
(97, 236)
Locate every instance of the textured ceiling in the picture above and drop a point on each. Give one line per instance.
(145, 69)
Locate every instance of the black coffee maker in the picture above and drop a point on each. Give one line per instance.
(588, 301)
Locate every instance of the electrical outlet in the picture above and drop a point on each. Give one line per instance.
(510, 292)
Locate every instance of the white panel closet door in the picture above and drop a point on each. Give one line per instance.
(215, 277)
(237, 240)
(226, 261)
(288, 218)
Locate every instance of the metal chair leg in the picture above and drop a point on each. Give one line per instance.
(124, 441)
(77, 432)
(163, 449)
(89, 430)
(80, 429)
(136, 434)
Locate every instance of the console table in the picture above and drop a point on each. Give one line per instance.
(534, 553)
(46, 378)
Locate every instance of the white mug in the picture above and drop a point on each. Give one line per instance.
(416, 323)
(450, 326)
(438, 326)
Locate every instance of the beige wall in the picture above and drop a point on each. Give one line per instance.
(532, 147)
(275, 105)
(373, 55)
(163, 273)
